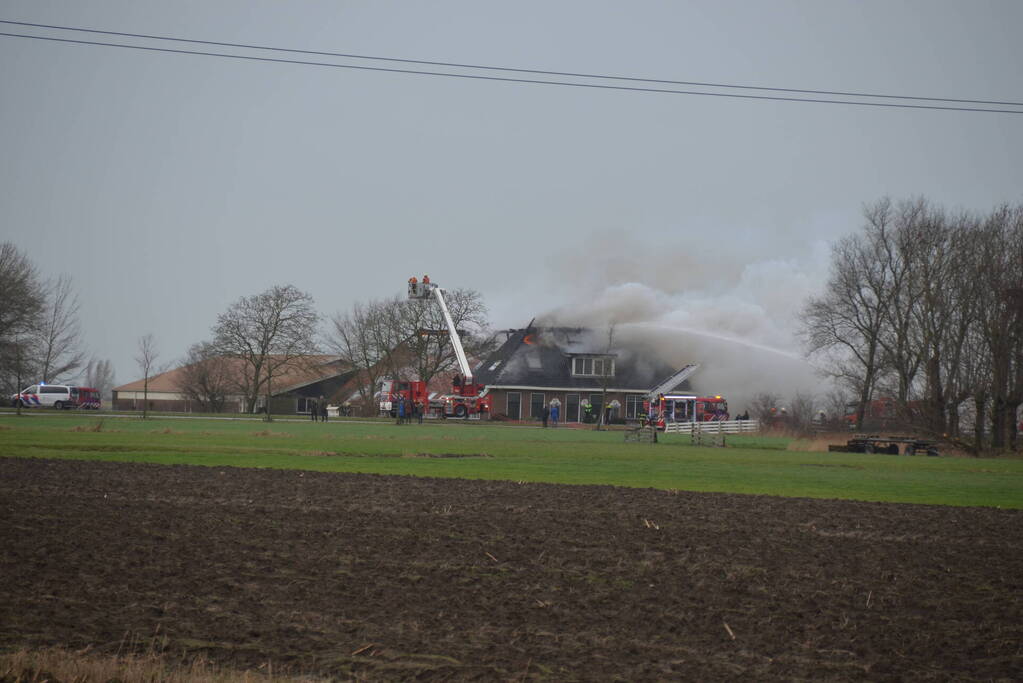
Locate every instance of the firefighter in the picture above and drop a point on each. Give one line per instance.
(426, 279)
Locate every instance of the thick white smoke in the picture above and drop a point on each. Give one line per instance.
(698, 304)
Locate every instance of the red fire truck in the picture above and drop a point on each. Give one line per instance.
(467, 399)
(690, 408)
(392, 391)
(88, 398)
(660, 406)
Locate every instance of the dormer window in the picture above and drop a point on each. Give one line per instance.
(593, 366)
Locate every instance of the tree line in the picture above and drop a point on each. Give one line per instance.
(253, 342)
(924, 305)
(260, 337)
(40, 330)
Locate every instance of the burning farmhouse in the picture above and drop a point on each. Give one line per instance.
(572, 374)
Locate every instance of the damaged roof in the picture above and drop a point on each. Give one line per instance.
(542, 358)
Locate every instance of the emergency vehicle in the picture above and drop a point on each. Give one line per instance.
(88, 398)
(689, 408)
(392, 391)
(58, 396)
(467, 399)
(44, 395)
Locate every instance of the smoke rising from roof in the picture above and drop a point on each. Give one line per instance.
(736, 318)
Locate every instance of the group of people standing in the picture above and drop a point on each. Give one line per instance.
(551, 413)
(318, 410)
(407, 410)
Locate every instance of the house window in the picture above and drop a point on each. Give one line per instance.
(514, 406)
(304, 405)
(536, 406)
(633, 406)
(593, 367)
(571, 408)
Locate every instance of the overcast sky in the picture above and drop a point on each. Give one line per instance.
(170, 185)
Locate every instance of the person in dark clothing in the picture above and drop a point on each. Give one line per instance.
(323, 409)
(546, 414)
(420, 409)
(400, 409)
(313, 409)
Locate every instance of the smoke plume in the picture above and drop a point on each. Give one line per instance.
(737, 319)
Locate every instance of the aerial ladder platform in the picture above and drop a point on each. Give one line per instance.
(673, 381)
(467, 399)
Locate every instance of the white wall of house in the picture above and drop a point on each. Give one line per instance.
(152, 396)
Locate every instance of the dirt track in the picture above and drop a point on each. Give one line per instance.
(362, 576)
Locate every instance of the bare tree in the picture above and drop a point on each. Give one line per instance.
(802, 409)
(607, 366)
(964, 363)
(60, 333)
(389, 334)
(850, 316)
(99, 374)
(22, 301)
(206, 377)
(268, 332)
(765, 406)
(1000, 317)
(836, 402)
(893, 231)
(146, 358)
(421, 326)
(926, 306)
(360, 338)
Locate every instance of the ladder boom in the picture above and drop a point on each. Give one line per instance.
(463, 362)
(673, 380)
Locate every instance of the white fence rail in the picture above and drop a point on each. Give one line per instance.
(722, 427)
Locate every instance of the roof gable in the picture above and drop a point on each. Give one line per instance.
(542, 357)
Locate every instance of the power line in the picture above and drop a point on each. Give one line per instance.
(511, 80)
(513, 70)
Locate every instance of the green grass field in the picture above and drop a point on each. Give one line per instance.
(749, 464)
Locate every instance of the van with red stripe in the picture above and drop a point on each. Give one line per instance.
(58, 396)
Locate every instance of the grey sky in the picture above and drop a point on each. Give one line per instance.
(169, 185)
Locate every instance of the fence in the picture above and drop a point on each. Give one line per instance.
(722, 427)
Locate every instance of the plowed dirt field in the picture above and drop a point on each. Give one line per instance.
(397, 578)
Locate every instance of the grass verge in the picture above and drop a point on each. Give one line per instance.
(750, 464)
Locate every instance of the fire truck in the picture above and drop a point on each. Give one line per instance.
(670, 407)
(467, 399)
(392, 391)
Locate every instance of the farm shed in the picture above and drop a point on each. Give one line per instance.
(295, 385)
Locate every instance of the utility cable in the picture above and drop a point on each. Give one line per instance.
(514, 70)
(511, 80)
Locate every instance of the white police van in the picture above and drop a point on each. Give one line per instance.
(59, 396)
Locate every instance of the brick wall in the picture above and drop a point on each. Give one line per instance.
(500, 402)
